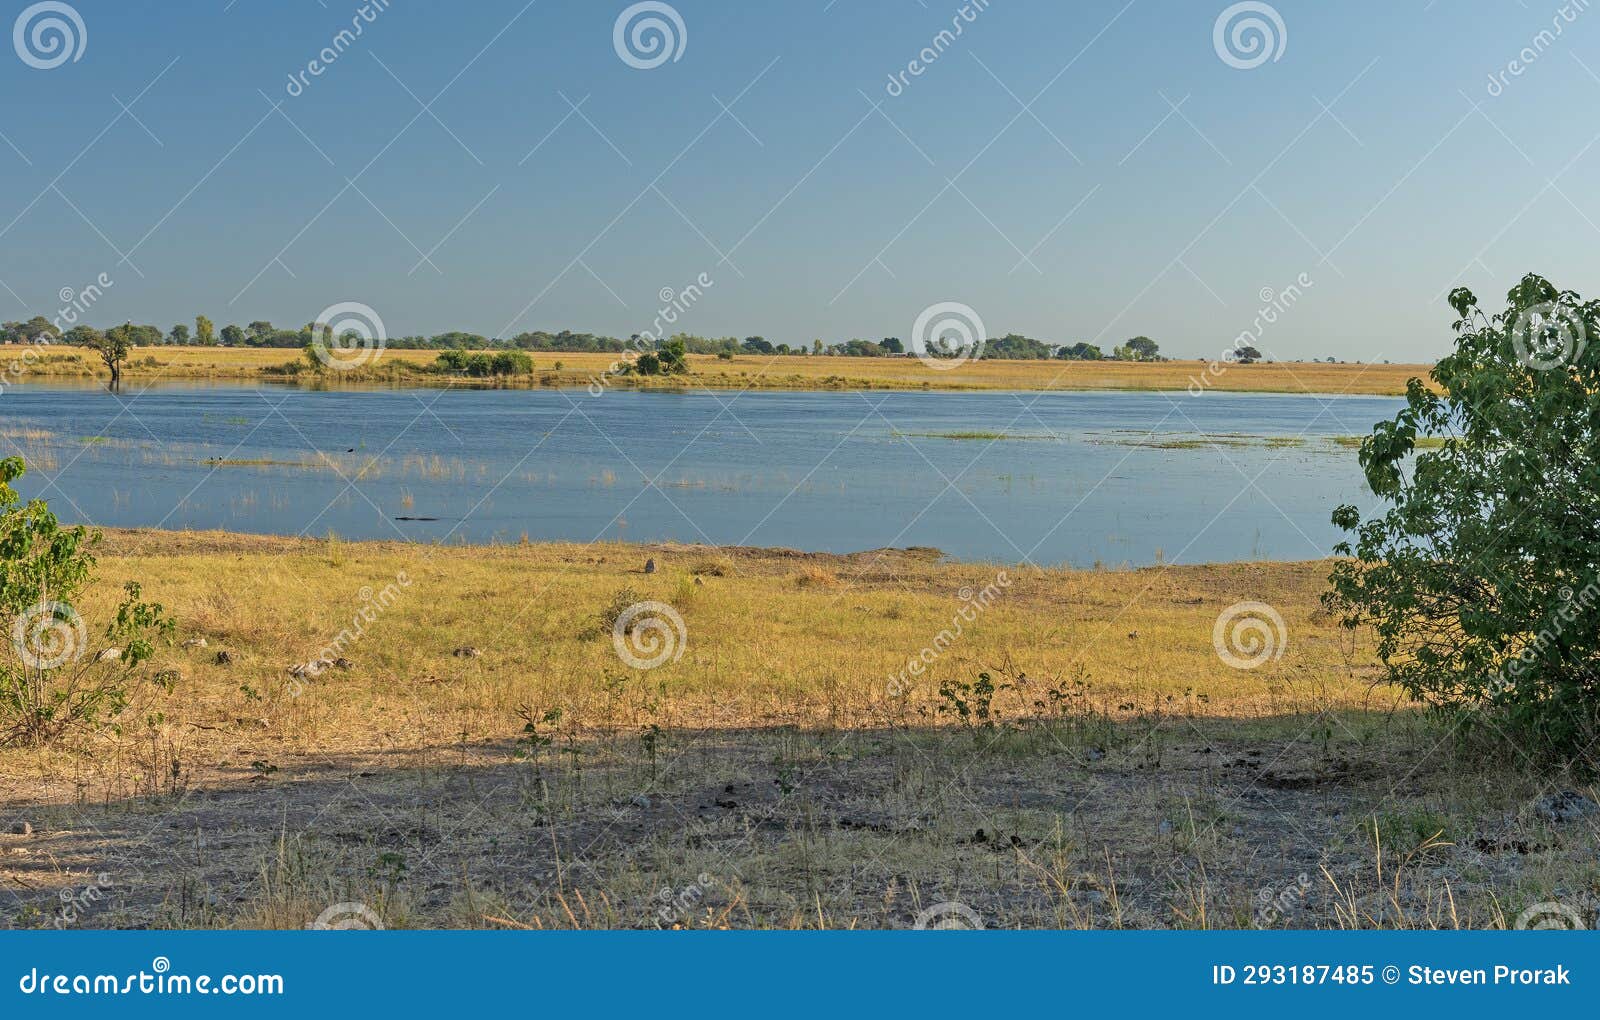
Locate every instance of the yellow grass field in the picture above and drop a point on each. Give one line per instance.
(403, 367)
(484, 754)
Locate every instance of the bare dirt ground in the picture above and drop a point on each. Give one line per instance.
(1161, 822)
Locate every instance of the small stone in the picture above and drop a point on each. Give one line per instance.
(224, 658)
(1565, 806)
(650, 566)
(467, 652)
(640, 800)
(108, 655)
(197, 642)
(21, 829)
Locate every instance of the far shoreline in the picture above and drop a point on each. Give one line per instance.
(127, 541)
(591, 371)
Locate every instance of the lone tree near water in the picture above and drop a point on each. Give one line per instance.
(113, 346)
(1482, 578)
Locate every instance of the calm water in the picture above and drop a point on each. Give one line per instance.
(1110, 477)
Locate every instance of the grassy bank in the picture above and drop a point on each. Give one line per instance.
(398, 367)
(485, 757)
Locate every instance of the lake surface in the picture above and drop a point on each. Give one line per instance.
(1086, 477)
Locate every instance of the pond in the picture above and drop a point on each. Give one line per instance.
(1046, 478)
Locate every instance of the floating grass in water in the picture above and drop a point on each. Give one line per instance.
(1422, 442)
(991, 436)
(259, 462)
(1186, 441)
(351, 467)
(25, 432)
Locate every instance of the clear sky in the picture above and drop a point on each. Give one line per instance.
(1071, 170)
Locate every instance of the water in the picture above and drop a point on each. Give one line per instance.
(1110, 477)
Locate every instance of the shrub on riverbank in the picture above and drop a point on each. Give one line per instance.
(482, 365)
(1481, 580)
(49, 683)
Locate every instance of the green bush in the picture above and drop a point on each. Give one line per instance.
(511, 363)
(49, 681)
(483, 366)
(1482, 577)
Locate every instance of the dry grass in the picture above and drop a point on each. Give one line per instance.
(1130, 777)
(757, 372)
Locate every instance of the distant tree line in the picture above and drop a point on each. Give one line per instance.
(263, 334)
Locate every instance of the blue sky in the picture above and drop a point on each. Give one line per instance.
(1037, 171)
